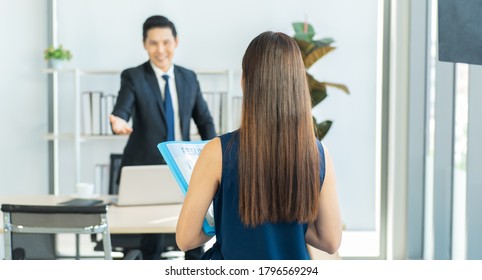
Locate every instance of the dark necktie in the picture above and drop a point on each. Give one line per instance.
(168, 110)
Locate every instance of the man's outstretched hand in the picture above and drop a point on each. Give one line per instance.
(119, 125)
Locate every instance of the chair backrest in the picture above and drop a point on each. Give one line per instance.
(114, 173)
(34, 246)
(37, 219)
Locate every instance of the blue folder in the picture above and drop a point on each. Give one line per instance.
(181, 156)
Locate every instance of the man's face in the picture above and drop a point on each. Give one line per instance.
(160, 45)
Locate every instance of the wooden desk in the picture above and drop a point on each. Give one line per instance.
(125, 219)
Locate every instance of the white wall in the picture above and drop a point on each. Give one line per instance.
(213, 35)
(23, 93)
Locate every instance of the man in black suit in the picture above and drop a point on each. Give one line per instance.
(161, 98)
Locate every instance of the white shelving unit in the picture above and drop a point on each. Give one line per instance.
(225, 94)
(75, 135)
(77, 138)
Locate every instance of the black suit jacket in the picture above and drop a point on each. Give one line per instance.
(140, 98)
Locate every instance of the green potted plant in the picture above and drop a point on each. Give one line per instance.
(56, 56)
(311, 51)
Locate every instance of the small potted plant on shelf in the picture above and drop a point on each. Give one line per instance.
(56, 56)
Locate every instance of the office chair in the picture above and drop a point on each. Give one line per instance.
(42, 246)
(114, 173)
(20, 220)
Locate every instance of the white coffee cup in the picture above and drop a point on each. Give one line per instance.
(85, 189)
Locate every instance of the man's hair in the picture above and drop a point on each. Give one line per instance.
(279, 164)
(157, 21)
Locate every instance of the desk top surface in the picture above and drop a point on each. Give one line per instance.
(122, 219)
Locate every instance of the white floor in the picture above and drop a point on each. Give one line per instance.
(360, 244)
(66, 248)
(354, 244)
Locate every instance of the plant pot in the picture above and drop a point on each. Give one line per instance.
(56, 63)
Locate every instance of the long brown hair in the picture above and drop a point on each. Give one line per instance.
(278, 155)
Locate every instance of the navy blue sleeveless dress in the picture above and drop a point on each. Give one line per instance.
(235, 241)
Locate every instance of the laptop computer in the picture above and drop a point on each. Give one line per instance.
(148, 185)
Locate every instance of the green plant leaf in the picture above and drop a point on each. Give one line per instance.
(57, 53)
(338, 86)
(300, 33)
(324, 42)
(316, 53)
(311, 51)
(317, 96)
(323, 128)
(305, 47)
(317, 90)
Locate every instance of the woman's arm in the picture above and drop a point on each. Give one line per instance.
(202, 188)
(325, 232)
